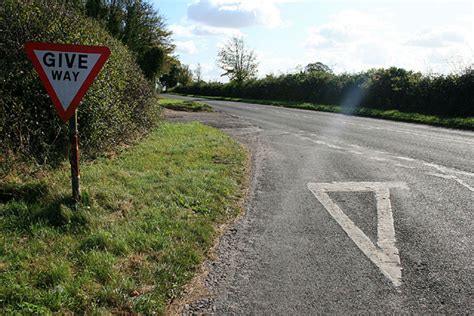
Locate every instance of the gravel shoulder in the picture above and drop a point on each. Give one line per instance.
(217, 272)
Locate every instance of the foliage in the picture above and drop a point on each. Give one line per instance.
(119, 105)
(152, 62)
(184, 105)
(238, 62)
(138, 26)
(145, 223)
(179, 74)
(381, 89)
(317, 67)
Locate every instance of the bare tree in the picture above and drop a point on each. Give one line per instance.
(198, 73)
(238, 62)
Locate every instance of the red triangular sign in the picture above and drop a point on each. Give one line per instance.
(67, 71)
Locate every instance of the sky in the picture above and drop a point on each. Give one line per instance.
(431, 36)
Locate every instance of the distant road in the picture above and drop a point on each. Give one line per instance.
(349, 214)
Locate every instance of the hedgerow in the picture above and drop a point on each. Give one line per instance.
(119, 105)
(383, 89)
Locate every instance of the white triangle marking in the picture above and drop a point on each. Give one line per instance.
(385, 254)
(66, 90)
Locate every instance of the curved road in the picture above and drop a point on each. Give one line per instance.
(347, 214)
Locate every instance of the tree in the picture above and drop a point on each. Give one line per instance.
(178, 74)
(317, 67)
(238, 62)
(139, 26)
(152, 62)
(115, 18)
(185, 75)
(198, 73)
(95, 9)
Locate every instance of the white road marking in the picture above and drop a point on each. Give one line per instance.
(378, 159)
(404, 166)
(451, 177)
(439, 175)
(450, 173)
(370, 127)
(319, 136)
(464, 184)
(405, 158)
(448, 170)
(288, 111)
(385, 255)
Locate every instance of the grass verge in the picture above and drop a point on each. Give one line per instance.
(466, 123)
(145, 223)
(184, 105)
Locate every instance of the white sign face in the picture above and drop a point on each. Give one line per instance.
(66, 71)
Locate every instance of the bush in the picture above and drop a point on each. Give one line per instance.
(119, 105)
(381, 89)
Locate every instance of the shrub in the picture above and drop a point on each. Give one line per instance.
(381, 89)
(119, 105)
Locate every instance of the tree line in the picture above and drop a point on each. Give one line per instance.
(385, 89)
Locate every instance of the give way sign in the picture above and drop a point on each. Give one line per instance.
(67, 71)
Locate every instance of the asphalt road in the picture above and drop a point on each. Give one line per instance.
(345, 215)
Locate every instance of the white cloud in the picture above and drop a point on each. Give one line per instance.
(270, 63)
(181, 30)
(345, 27)
(439, 37)
(203, 30)
(235, 13)
(354, 41)
(187, 47)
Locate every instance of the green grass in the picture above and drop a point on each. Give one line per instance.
(184, 105)
(146, 221)
(394, 115)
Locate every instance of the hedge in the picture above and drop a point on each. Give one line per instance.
(119, 105)
(392, 88)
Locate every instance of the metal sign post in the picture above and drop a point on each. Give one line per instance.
(67, 71)
(74, 158)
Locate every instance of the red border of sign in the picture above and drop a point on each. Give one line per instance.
(104, 55)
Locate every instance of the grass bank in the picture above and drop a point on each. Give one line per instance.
(145, 223)
(466, 123)
(184, 105)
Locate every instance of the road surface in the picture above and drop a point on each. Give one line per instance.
(347, 214)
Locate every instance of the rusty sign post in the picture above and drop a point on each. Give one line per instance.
(74, 158)
(67, 71)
